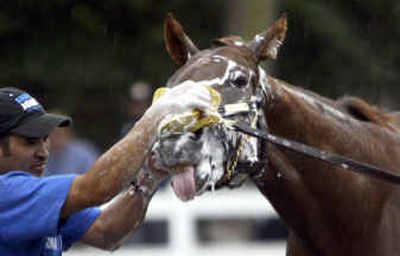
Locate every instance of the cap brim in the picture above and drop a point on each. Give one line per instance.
(41, 126)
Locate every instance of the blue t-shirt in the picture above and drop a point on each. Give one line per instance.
(30, 210)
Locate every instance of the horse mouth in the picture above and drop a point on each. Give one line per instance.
(203, 156)
(188, 184)
(184, 184)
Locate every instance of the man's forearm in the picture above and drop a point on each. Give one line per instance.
(119, 219)
(118, 166)
(114, 170)
(125, 213)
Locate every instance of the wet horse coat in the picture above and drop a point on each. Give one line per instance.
(327, 211)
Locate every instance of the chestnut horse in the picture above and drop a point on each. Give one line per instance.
(328, 210)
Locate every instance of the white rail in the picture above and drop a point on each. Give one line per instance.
(181, 218)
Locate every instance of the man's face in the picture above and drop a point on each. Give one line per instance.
(25, 154)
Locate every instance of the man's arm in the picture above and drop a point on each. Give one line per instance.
(125, 213)
(122, 217)
(114, 170)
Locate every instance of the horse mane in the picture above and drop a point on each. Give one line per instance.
(362, 111)
(395, 116)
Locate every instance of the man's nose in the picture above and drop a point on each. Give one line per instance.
(43, 149)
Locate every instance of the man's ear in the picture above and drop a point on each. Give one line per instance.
(5, 146)
(266, 45)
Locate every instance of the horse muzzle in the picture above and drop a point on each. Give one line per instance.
(208, 155)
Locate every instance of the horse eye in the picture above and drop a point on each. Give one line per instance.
(240, 81)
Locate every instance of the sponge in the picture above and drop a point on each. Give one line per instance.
(190, 121)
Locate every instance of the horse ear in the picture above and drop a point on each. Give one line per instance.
(266, 45)
(178, 44)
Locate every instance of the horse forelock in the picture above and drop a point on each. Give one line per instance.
(229, 41)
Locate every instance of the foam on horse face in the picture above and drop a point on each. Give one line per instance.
(178, 150)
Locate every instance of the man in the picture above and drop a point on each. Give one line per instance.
(45, 215)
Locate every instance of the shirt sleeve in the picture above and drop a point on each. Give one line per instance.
(76, 226)
(30, 206)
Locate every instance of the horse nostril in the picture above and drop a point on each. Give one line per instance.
(240, 82)
(197, 135)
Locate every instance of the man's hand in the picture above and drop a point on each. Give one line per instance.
(150, 176)
(185, 97)
(158, 173)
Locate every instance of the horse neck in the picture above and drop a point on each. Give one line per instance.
(301, 115)
(304, 188)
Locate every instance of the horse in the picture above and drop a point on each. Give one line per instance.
(327, 210)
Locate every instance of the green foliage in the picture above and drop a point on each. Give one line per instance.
(82, 55)
(344, 47)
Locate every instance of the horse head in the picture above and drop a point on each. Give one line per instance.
(231, 66)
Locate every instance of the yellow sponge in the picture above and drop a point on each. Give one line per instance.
(188, 121)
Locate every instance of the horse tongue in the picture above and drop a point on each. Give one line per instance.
(183, 184)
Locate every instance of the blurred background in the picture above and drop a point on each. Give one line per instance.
(100, 61)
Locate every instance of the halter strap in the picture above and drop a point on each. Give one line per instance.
(235, 166)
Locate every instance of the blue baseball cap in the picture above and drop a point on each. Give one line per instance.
(23, 115)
